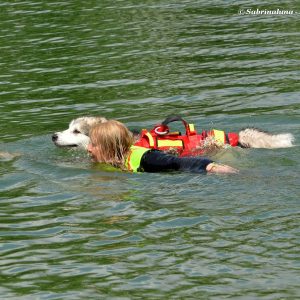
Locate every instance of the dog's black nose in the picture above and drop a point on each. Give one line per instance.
(54, 137)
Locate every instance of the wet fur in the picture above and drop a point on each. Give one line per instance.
(256, 138)
(77, 135)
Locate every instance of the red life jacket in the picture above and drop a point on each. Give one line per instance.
(188, 144)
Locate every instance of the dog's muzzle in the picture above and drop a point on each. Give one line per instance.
(54, 137)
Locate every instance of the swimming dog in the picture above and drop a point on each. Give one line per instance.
(77, 136)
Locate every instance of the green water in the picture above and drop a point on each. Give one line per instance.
(72, 230)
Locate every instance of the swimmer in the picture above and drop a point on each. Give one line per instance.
(112, 143)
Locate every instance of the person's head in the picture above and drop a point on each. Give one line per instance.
(110, 142)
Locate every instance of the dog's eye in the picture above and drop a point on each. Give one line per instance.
(76, 131)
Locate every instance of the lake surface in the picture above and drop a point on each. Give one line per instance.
(70, 229)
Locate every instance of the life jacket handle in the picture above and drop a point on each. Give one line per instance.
(164, 126)
(173, 119)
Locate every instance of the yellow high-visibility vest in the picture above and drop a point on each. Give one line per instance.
(133, 160)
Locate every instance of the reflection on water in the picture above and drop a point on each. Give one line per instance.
(73, 230)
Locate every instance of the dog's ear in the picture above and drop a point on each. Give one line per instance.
(94, 120)
(85, 128)
(101, 119)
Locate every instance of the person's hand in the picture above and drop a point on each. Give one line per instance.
(216, 168)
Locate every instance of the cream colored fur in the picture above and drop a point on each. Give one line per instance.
(77, 135)
(255, 138)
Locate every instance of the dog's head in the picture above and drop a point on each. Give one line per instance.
(77, 135)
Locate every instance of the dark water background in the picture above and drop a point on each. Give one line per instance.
(72, 230)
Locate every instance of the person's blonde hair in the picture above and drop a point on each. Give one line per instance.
(113, 141)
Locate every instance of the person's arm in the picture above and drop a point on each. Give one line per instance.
(158, 161)
(218, 168)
